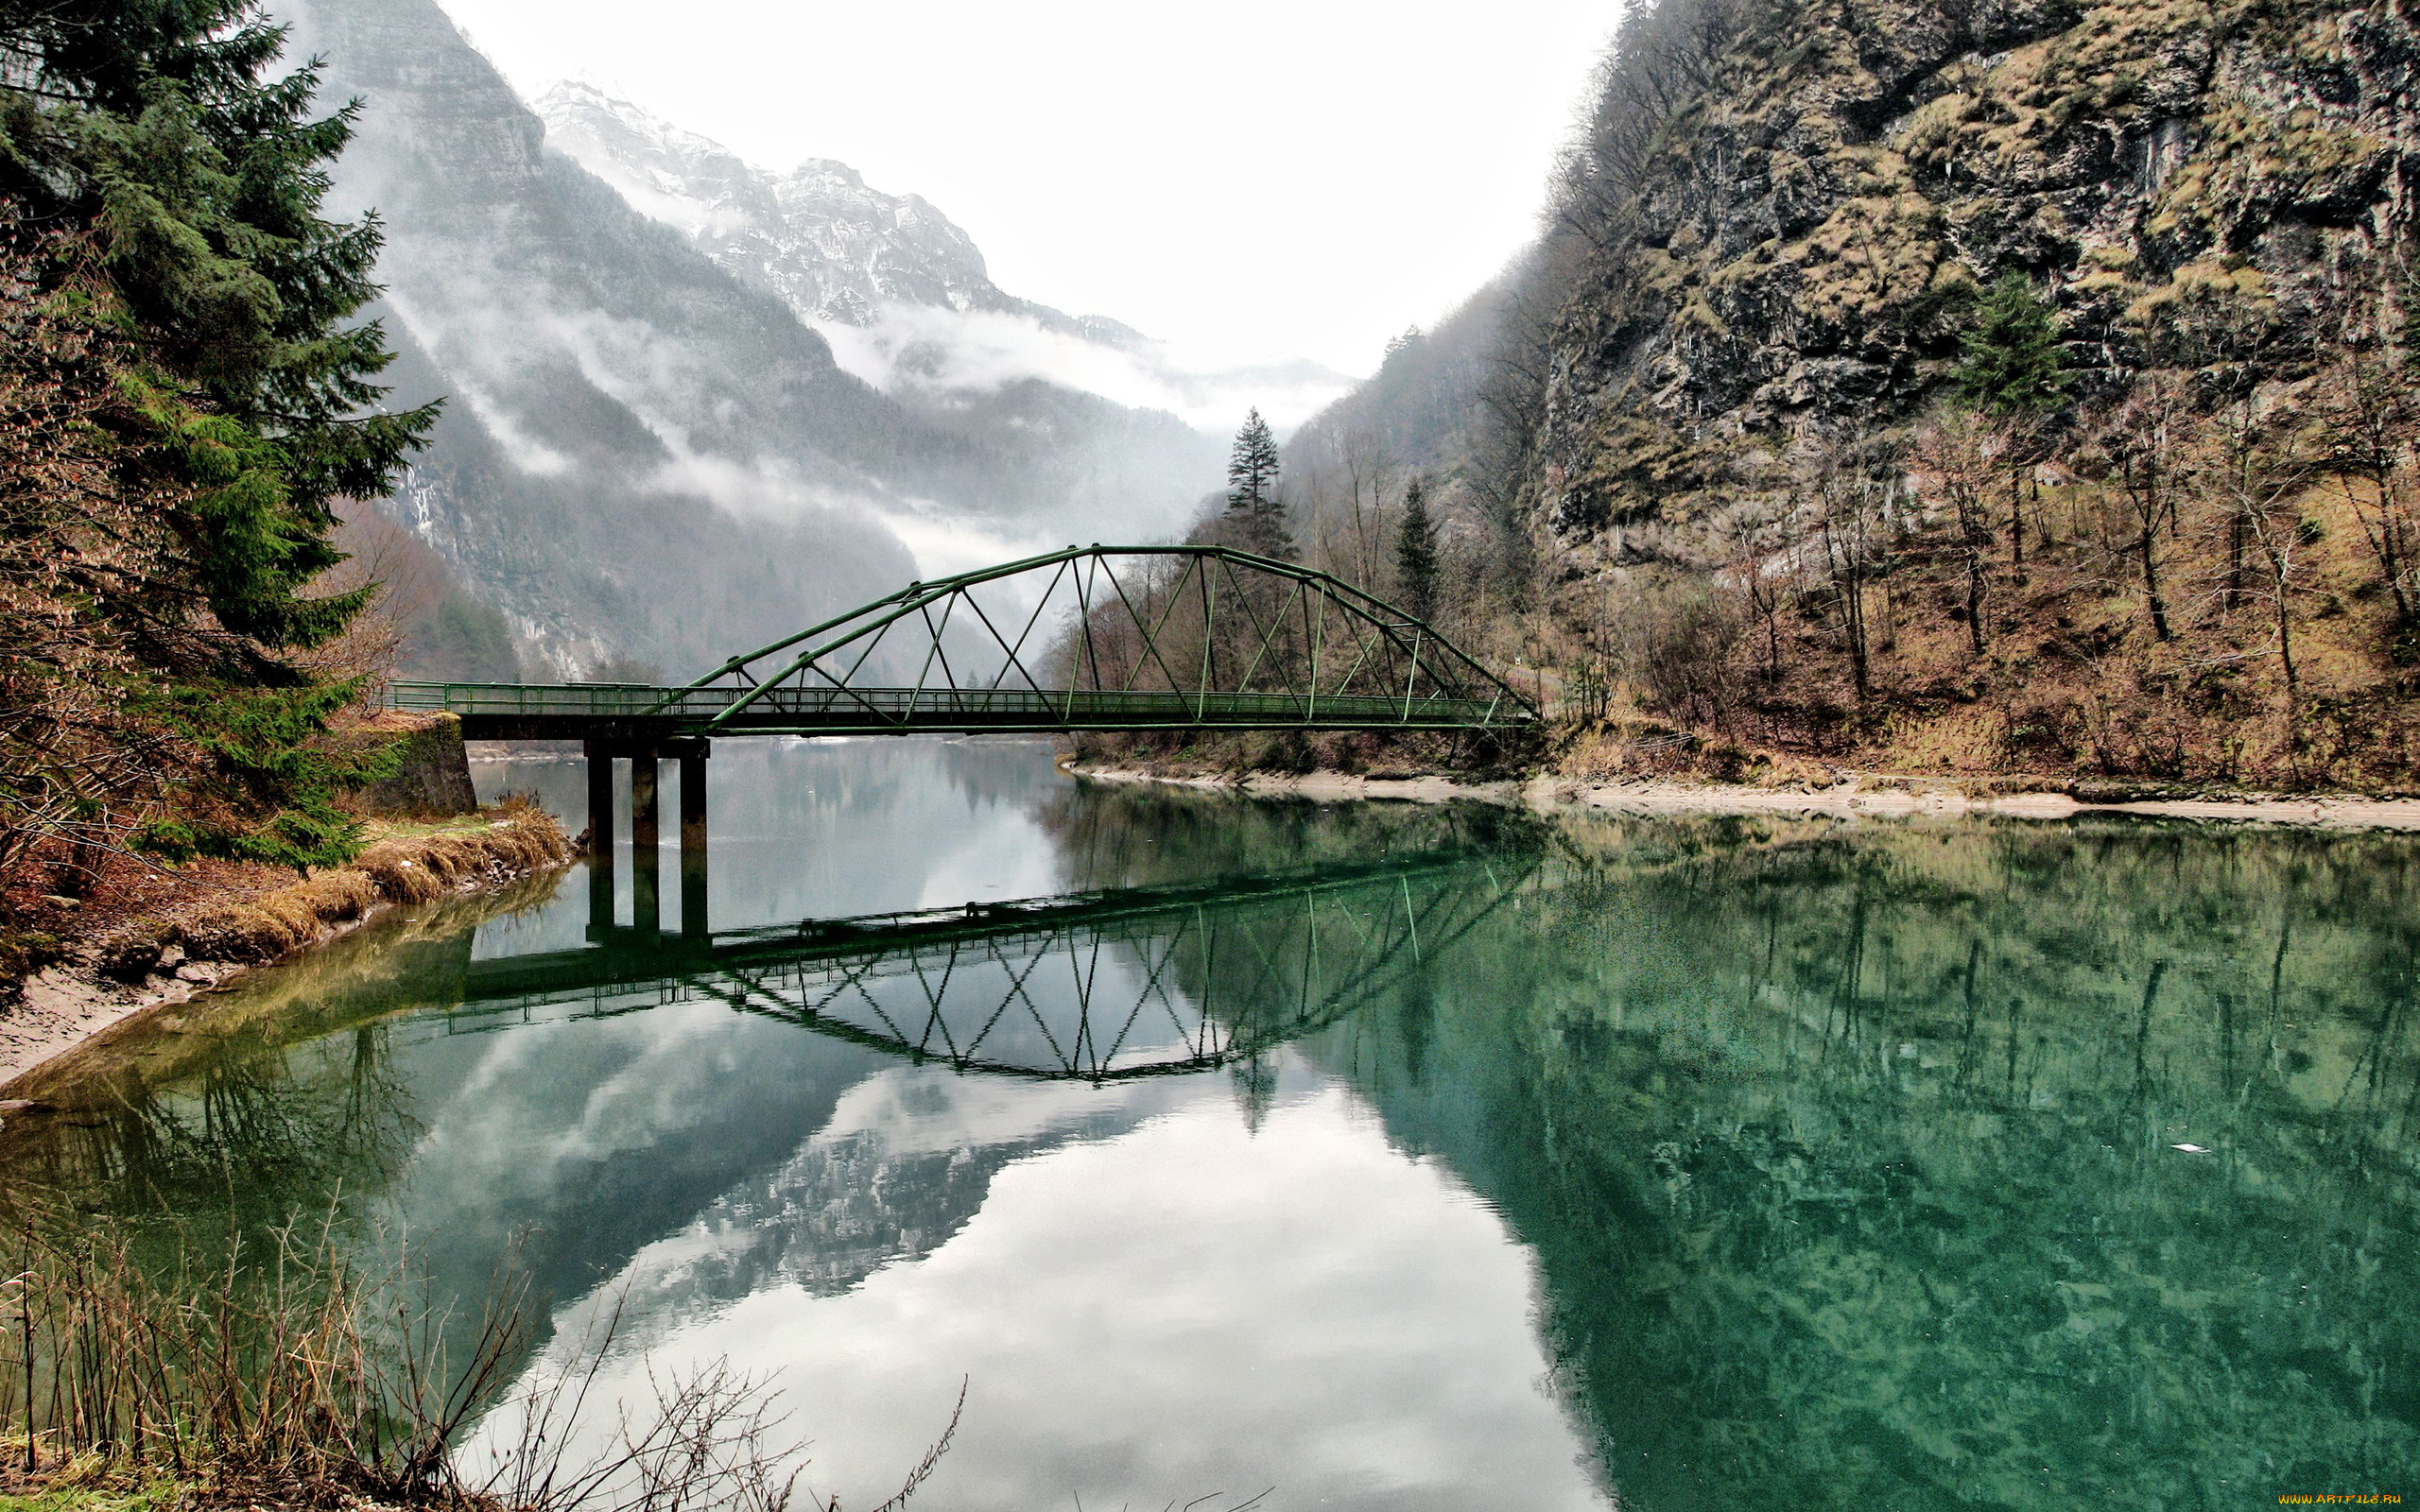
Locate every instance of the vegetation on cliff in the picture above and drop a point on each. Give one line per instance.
(1978, 388)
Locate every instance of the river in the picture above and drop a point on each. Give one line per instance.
(1382, 1156)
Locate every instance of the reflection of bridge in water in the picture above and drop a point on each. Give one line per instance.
(1098, 986)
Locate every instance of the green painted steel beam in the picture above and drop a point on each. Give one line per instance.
(774, 704)
(912, 710)
(874, 618)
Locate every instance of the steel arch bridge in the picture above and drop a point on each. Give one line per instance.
(1090, 638)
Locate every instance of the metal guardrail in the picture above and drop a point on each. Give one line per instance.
(852, 709)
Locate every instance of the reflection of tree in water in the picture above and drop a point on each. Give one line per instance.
(249, 1144)
(1126, 836)
(1849, 1161)
(263, 1104)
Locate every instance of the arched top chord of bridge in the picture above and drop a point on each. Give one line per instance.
(1094, 638)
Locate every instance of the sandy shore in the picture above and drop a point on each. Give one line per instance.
(1892, 797)
(65, 1005)
(187, 949)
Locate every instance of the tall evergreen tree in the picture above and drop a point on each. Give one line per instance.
(160, 192)
(2012, 368)
(1416, 553)
(2011, 365)
(1252, 489)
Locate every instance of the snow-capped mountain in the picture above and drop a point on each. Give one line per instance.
(897, 288)
(833, 248)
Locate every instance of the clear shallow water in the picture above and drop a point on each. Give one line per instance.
(1484, 1163)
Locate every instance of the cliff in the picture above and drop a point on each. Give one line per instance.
(1784, 205)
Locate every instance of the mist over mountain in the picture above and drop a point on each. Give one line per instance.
(831, 247)
(897, 288)
(645, 452)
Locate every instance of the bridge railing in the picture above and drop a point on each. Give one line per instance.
(908, 708)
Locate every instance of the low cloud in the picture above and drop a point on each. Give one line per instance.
(931, 347)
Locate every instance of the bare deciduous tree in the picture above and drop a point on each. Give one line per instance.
(2253, 469)
(2372, 432)
(1957, 456)
(2142, 441)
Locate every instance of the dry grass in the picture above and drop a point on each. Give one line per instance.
(299, 1379)
(294, 1370)
(407, 864)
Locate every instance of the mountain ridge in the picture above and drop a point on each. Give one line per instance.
(901, 291)
(647, 454)
(833, 247)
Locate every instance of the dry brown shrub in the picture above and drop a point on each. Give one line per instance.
(419, 870)
(235, 932)
(293, 912)
(337, 895)
(534, 840)
(398, 874)
(446, 858)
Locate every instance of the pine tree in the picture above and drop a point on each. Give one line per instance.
(1252, 490)
(1416, 555)
(160, 187)
(2012, 368)
(2011, 365)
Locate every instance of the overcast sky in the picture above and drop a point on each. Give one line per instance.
(1256, 180)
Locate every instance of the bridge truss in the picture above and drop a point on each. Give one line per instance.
(1110, 638)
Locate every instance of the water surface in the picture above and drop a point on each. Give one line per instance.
(1389, 1156)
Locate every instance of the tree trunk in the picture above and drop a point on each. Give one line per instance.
(2235, 561)
(2151, 578)
(2016, 524)
(2285, 645)
(1975, 599)
(1857, 639)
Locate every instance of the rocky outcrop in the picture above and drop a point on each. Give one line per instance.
(1792, 260)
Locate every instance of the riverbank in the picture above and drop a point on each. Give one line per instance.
(1848, 794)
(174, 933)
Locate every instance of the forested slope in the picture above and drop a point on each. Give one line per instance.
(186, 392)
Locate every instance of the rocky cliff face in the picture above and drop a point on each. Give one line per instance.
(1790, 260)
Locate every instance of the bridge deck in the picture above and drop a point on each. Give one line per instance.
(492, 711)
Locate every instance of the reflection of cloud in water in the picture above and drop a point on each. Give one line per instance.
(907, 1113)
(902, 1162)
(1304, 1306)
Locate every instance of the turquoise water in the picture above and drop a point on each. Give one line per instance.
(1391, 1157)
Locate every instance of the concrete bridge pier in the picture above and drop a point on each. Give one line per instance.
(646, 860)
(600, 837)
(693, 755)
(646, 906)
